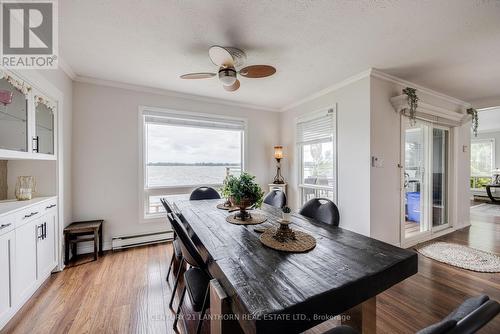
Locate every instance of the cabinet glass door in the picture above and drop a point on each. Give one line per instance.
(44, 119)
(13, 118)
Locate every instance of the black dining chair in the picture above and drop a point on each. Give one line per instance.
(275, 198)
(196, 278)
(204, 193)
(468, 318)
(321, 209)
(176, 254)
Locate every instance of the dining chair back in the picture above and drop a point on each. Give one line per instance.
(188, 248)
(469, 317)
(276, 198)
(196, 278)
(176, 245)
(204, 193)
(321, 209)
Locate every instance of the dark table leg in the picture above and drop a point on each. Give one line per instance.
(100, 241)
(488, 191)
(74, 249)
(96, 242)
(66, 248)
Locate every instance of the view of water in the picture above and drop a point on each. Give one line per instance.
(187, 175)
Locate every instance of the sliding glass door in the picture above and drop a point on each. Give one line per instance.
(440, 153)
(425, 179)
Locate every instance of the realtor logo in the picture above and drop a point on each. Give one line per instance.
(29, 34)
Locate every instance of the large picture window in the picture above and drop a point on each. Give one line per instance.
(317, 156)
(182, 152)
(482, 157)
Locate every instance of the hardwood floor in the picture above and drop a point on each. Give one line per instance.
(126, 292)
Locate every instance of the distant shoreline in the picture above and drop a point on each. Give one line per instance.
(195, 164)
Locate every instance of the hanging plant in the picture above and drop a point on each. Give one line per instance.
(475, 120)
(412, 97)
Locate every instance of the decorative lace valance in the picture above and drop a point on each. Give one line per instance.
(20, 85)
(44, 101)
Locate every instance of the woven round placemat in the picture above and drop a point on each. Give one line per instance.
(222, 207)
(257, 218)
(302, 243)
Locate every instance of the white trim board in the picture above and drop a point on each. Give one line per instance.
(170, 93)
(372, 72)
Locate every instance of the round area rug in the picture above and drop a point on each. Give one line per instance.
(461, 256)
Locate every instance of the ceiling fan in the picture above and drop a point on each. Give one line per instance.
(228, 59)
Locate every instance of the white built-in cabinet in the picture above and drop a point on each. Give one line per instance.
(28, 251)
(27, 120)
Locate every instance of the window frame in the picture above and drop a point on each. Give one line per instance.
(493, 148)
(300, 161)
(144, 191)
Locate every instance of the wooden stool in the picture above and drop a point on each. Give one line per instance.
(73, 231)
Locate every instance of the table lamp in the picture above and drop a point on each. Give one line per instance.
(278, 155)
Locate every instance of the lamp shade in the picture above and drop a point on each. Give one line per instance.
(278, 152)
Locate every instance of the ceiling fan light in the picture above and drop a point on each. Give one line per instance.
(227, 76)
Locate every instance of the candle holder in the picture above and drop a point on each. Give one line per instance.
(278, 155)
(284, 233)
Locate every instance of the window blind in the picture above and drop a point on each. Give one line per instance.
(152, 117)
(317, 129)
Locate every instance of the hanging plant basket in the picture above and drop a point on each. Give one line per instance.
(412, 97)
(475, 120)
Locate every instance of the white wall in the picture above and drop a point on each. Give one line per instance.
(367, 125)
(106, 157)
(353, 151)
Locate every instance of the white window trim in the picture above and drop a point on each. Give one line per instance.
(173, 190)
(301, 186)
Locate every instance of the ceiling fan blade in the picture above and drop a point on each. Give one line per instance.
(233, 87)
(220, 56)
(202, 75)
(257, 71)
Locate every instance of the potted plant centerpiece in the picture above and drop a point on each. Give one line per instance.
(243, 192)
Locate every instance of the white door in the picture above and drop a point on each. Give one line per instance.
(46, 258)
(6, 266)
(25, 260)
(425, 173)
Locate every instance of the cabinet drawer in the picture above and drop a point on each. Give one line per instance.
(48, 206)
(27, 215)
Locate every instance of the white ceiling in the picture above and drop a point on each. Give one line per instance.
(452, 46)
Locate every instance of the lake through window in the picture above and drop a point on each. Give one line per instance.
(316, 144)
(182, 152)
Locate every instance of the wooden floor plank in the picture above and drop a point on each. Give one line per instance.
(126, 292)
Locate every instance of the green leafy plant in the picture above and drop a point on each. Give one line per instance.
(475, 120)
(241, 188)
(286, 209)
(411, 94)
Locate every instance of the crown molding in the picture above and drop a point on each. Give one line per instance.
(372, 72)
(66, 68)
(382, 75)
(165, 92)
(329, 89)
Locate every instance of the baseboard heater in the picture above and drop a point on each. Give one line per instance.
(128, 241)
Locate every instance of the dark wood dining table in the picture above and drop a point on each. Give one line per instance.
(271, 291)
